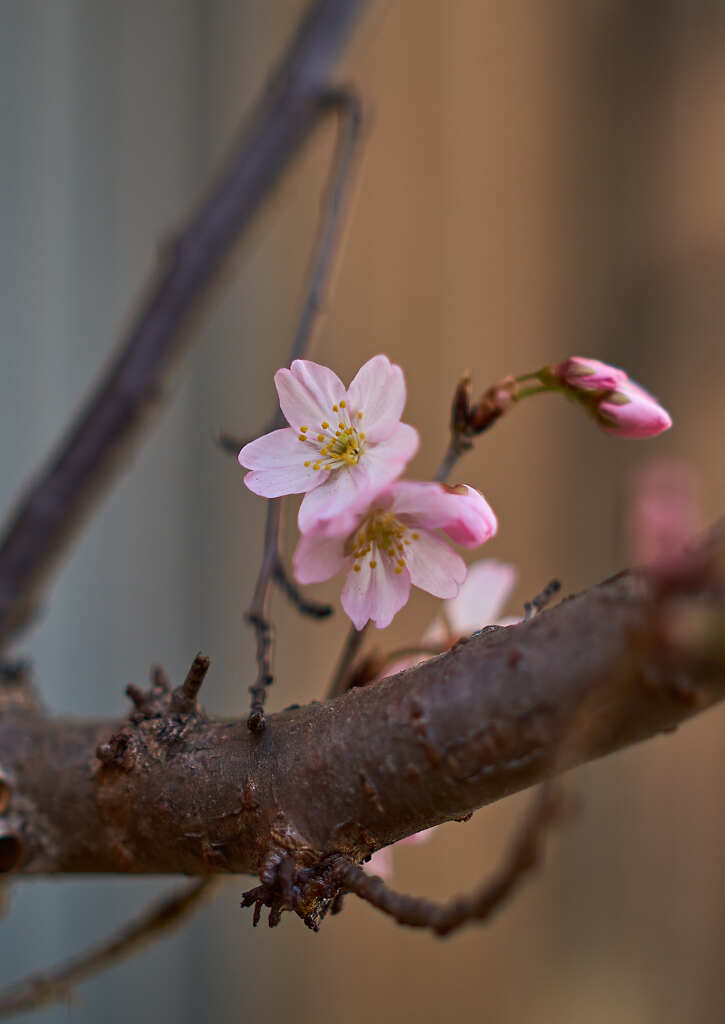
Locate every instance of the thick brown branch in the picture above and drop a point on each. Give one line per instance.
(168, 793)
(55, 506)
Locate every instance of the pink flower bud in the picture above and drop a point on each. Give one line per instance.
(584, 374)
(630, 411)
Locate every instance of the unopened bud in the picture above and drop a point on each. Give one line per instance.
(630, 411)
(584, 374)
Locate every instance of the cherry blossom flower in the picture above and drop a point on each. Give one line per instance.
(391, 544)
(341, 446)
(630, 411)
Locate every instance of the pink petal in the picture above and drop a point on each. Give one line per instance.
(632, 412)
(319, 558)
(322, 383)
(307, 393)
(386, 459)
(475, 521)
(376, 594)
(461, 511)
(378, 390)
(482, 596)
(278, 464)
(334, 510)
(434, 566)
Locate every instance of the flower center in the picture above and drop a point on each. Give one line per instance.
(381, 535)
(338, 443)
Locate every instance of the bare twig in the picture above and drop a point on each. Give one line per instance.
(538, 603)
(347, 106)
(46, 987)
(314, 609)
(443, 919)
(50, 514)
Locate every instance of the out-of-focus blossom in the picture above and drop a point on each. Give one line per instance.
(664, 511)
(630, 411)
(393, 544)
(341, 446)
(381, 862)
(585, 374)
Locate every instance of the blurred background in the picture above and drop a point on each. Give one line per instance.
(539, 180)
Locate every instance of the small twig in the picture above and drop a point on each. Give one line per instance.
(541, 600)
(340, 681)
(230, 444)
(183, 699)
(258, 616)
(46, 987)
(457, 447)
(443, 919)
(347, 106)
(315, 609)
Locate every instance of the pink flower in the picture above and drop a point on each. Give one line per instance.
(584, 374)
(630, 411)
(391, 544)
(341, 445)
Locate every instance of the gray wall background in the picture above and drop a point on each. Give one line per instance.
(540, 179)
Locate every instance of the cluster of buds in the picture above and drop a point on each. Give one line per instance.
(469, 418)
(617, 403)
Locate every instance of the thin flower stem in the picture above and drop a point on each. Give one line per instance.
(536, 390)
(341, 676)
(349, 111)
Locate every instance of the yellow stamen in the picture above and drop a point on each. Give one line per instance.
(373, 564)
(308, 463)
(304, 429)
(398, 570)
(320, 437)
(302, 437)
(356, 568)
(316, 465)
(415, 536)
(334, 408)
(359, 415)
(342, 404)
(324, 424)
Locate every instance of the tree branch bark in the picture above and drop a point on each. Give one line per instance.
(174, 791)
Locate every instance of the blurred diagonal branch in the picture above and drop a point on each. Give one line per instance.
(50, 514)
(47, 987)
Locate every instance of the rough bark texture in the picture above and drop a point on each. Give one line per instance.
(170, 790)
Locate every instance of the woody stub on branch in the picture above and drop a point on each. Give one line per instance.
(474, 711)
